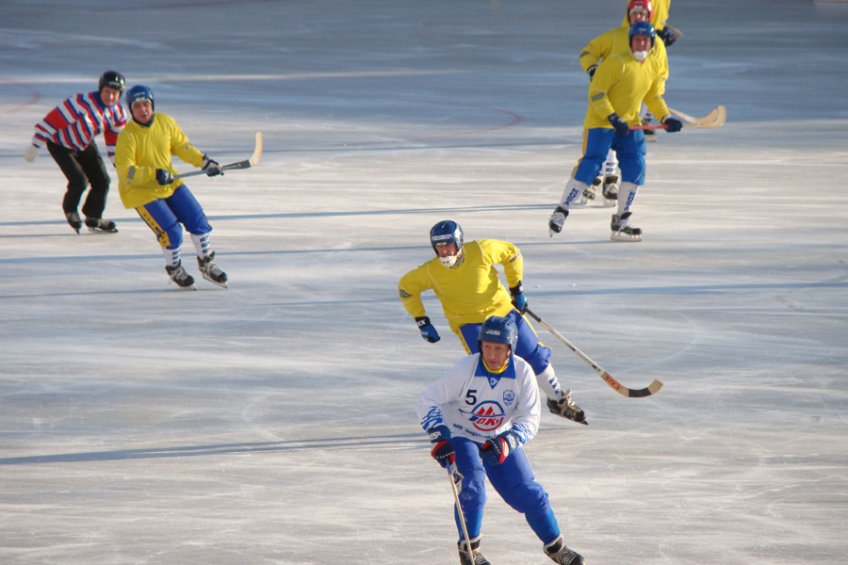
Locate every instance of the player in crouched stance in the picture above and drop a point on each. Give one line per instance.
(478, 415)
(147, 183)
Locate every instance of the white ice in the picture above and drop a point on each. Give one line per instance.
(274, 422)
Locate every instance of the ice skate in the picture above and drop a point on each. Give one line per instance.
(567, 408)
(180, 276)
(557, 220)
(101, 225)
(210, 270)
(74, 220)
(610, 190)
(465, 557)
(560, 553)
(622, 231)
(590, 193)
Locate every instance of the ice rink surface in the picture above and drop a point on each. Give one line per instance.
(274, 422)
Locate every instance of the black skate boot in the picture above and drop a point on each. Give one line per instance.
(465, 557)
(74, 220)
(566, 407)
(210, 270)
(560, 553)
(591, 192)
(610, 190)
(557, 220)
(622, 231)
(101, 225)
(180, 276)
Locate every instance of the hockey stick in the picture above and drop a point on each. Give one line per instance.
(714, 119)
(617, 386)
(456, 478)
(254, 159)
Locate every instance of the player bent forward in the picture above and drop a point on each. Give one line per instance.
(146, 182)
(465, 281)
(478, 415)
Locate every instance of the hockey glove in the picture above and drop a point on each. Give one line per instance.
(667, 36)
(164, 177)
(518, 298)
(442, 450)
(621, 127)
(672, 124)
(211, 167)
(428, 331)
(496, 450)
(591, 71)
(31, 152)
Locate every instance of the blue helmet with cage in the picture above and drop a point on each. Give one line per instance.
(447, 231)
(139, 92)
(498, 329)
(645, 29)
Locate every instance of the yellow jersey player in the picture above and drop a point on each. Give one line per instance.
(603, 46)
(616, 91)
(464, 279)
(147, 183)
(668, 33)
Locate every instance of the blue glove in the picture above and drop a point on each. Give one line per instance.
(591, 71)
(621, 127)
(428, 331)
(164, 177)
(211, 167)
(495, 451)
(442, 450)
(518, 298)
(672, 124)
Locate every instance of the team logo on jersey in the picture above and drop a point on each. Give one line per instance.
(486, 416)
(509, 397)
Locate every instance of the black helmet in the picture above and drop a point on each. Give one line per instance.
(112, 79)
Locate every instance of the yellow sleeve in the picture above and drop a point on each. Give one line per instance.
(600, 107)
(508, 255)
(411, 285)
(182, 147)
(597, 49)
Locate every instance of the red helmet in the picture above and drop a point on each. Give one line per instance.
(644, 4)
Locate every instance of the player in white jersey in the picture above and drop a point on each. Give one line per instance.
(478, 415)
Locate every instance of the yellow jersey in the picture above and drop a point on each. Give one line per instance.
(141, 150)
(621, 84)
(471, 291)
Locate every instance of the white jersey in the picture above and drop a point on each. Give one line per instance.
(479, 404)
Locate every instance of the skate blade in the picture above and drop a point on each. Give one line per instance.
(98, 230)
(620, 236)
(213, 281)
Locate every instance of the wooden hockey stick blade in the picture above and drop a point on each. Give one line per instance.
(714, 119)
(614, 384)
(246, 164)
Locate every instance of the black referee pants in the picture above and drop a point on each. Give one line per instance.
(80, 168)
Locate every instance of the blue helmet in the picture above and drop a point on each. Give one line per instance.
(498, 329)
(645, 29)
(446, 231)
(139, 92)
